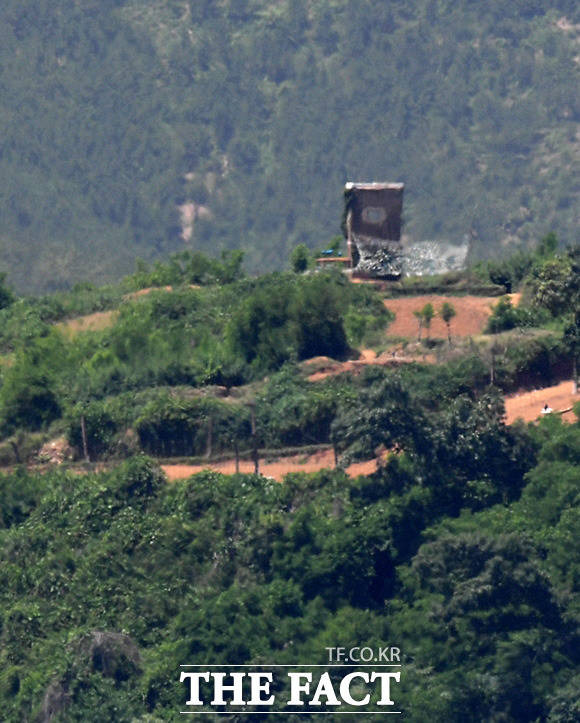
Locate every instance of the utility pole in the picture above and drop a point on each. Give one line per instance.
(255, 455)
(84, 436)
(209, 445)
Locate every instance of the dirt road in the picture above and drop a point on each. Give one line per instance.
(528, 405)
(276, 469)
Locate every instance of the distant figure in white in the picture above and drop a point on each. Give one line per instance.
(547, 409)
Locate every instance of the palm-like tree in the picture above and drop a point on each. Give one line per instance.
(447, 312)
(428, 312)
(419, 316)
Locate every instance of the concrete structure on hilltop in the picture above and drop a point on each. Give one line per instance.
(372, 224)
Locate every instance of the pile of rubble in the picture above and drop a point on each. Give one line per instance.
(433, 257)
(56, 451)
(378, 259)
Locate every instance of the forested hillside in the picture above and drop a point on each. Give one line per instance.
(139, 127)
(459, 547)
(109, 582)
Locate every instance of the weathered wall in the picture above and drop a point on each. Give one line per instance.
(376, 212)
(374, 228)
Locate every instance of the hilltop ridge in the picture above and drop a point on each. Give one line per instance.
(134, 129)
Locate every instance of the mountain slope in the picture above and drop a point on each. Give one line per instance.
(250, 115)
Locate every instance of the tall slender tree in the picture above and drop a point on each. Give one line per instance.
(419, 316)
(447, 312)
(428, 312)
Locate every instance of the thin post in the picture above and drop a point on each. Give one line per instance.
(16, 451)
(84, 437)
(208, 449)
(254, 441)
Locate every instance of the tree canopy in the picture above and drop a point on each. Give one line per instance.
(137, 129)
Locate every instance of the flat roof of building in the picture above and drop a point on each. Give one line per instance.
(374, 186)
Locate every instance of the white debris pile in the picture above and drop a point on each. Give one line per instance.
(433, 257)
(56, 451)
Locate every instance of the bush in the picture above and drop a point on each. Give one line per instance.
(300, 259)
(505, 316)
(287, 318)
(290, 413)
(29, 400)
(555, 284)
(188, 267)
(19, 495)
(100, 429)
(138, 477)
(30, 397)
(177, 427)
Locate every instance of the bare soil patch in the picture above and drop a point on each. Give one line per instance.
(91, 322)
(325, 367)
(149, 289)
(103, 319)
(144, 292)
(472, 314)
(528, 405)
(275, 469)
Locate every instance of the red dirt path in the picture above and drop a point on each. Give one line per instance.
(472, 314)
(149, 289)
(327, 367)
(277, 470)
(528, 406)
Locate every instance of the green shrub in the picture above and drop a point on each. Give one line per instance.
(177, 427)
(100, 429)
(505, 316)
(20, 492)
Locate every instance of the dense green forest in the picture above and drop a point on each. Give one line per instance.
(127, 124)
(241, 569)
(461, 549)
